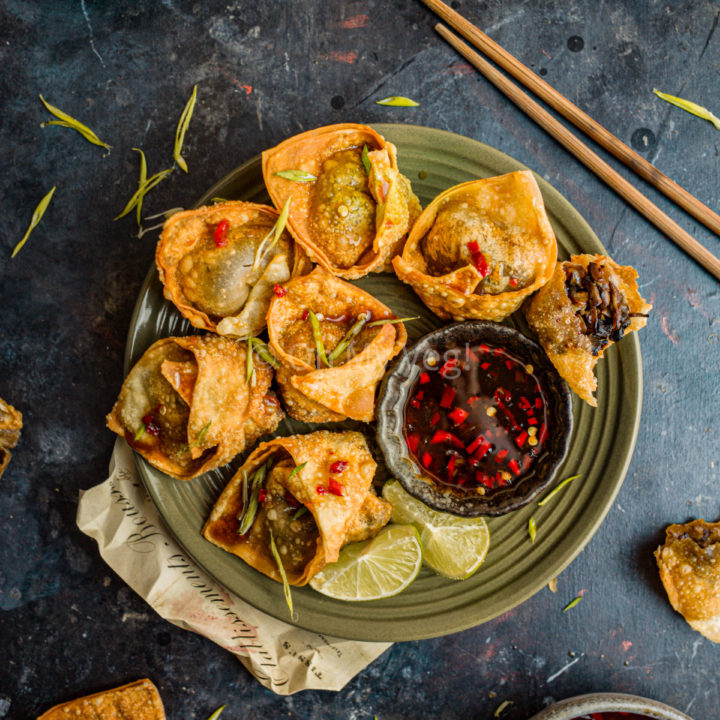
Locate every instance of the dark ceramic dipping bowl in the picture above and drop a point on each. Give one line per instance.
(610, 702)
(474, 419)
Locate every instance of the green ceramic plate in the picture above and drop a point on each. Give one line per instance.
(601, 446)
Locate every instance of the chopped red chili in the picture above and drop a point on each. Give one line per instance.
(335, 487)
(320, 489)
(306, 314)
(413, 441)
(424, 378)
(513, 282)
(435, 419)
(485, 365)
(262, 495)
(221, 233)
(538, 402)
(458, 415)
(426, 459)
(483, 348)
(415, 402)
(338, 466)
(513, 465)
(521, 438)
(451, 466)
(478, 258)
(279, 290)
(448, 395)
(442, 436)
(502, 455)
(447, 366)
(532, 421)
(473, 400)
(419, 394)
(470, 355)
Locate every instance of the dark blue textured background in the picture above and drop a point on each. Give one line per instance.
(267, 70)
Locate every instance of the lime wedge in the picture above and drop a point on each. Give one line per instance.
(453, 546)
(374, 569)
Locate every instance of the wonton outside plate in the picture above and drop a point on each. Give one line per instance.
(601, 445)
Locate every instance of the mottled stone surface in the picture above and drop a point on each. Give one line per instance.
(266, 70)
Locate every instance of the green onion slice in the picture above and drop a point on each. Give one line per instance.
(532, 529)
(691, 107)
(317, 336)
(392, 321)
(34, 221)
(355, 329)
(397, 101)
(572, 603)
(182, 129)
(299, 513)
(141, 181)
(366, 159)
(557, 490)
(249, 511)
(502, 707)
(296, 470)
(296, 175)
(139, 433)
(143, 190)
(216, 714)
(70, 122)
(217, 199)
(249, 369)
(281, 570)
(264, 352)
(273, 236)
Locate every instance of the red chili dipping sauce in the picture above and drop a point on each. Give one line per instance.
(476, 417)
(612, 716)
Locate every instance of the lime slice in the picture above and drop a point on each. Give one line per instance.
(374, 569)
(453, 546)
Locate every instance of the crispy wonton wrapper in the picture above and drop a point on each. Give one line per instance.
(480, 248)
(561, 329)
(187, 408)
(139, 700)
(348, 221)
(10, 427)
(333, 482)
(689, 564)
(213, 282)
(313, 392)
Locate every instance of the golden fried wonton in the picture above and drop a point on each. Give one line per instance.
(347, 219)
(208, 266)
(312, 390)
(139, 700)
(10, 427)
(589, 303)
(689, 564)
(328, 473)
(480, 248)
(187, 408)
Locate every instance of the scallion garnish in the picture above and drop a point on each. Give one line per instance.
(296, 175)
(143, 190)
(139, 433)
(141, 182)
(502, 707)
(397, 101)
(296, 470)
(182, 129)
(354, 331)
(281, 570)
(691, 107)
(572, 603)
(70, 122)
(366, 159)
(299, 513)
(34, 221)
(273, 236)
(317, 336)
(249, 511)
(219, 200)
(532, 529)
(249, 369)
(264, 352)
(216, 714)
(552, 494)
(392, 321)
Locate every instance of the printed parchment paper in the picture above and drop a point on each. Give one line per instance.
(133, 541)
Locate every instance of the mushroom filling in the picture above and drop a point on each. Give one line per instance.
(703, 534)
(599, 304)
(343, 209)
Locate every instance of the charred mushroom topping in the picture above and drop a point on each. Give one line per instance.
(600, 304)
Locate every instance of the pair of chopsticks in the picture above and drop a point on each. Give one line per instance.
(590, 127)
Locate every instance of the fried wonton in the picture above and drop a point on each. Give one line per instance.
(313, 495)
(480, 248)
(187, 407)
(139, 700)
(689, 564)
(348, 218)
(214, 270)
(589, 303)
(315, 391)
(10, 427)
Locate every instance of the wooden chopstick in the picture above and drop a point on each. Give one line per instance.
(575, 115)
(583, 153)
